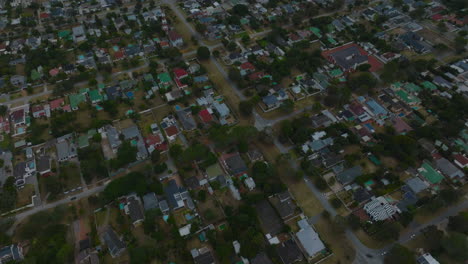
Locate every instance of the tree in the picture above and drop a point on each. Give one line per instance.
(287, 106)
(320, 183)
(234, 74)
(459, 223)
(336, 203)
(433, 238)
(388, 231)
(203, 53)
(200, 28)
(354, 222)
(246, 108)
(362, 83)
(401, 255)
(156, 156)
(456, 246)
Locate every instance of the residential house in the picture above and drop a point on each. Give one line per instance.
(169, 125)
(66, 148)
(349, 175)
(113, 137)
(43, 165)
(426, 258)
(133, 209)
(11, 253)
(79, 34)
(175, 38)
(461, 161)
(186, 119)
(233, 164)
(450, 170)
(270, 222)
(430, 174)
(379, 209)
(261, 258)
(115, 245)
(133, 134)
(309, 240)
(178, 196)
(150, 201)
(202, 256)
(289, 252)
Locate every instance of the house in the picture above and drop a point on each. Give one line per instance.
(289, 252)
(426, 258)
(415, 42)
(270, 222)
(115, 245)
(202, 256)
(186, 119)
(169, 125)
(447, 168)
(222, 111)
(133, 135)
(261, 258)
(38, 111)
(460, 160)
(66, 148)
(79, 34)
(113, 137)
(416, 185)
(428, 172)
(155, 142)
(178, 196)
(133, 209)
(284, 205)
(56, 104)
(43, 165)
(11, 253)
(205, 115)
(150, 201)
(175, 39)
(348, 57)
(379, 209)
(23, 170)
(309, 240)
(233, 164)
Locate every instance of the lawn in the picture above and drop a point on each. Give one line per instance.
(69, 176)
(24, 195)
(342, 250)
(305, 198)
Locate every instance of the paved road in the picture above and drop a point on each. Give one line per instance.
(362, 251)
(45, 206)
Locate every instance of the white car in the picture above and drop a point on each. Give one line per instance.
(384, 253)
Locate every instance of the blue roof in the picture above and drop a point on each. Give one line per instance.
(269, 100)
(376, 108)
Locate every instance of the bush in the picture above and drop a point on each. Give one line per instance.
(336, 203)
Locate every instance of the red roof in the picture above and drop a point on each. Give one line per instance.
(67, 108)
(119, 54)
(437, 17)
(180, 84)
(54, 72)
(205, 116)
(461, 159)
(171, 131)
(153, 140)
(247, 66)
(37, 108)
(57, 103)
(372, 60)
(256, 76)
(173, 35)
(180, 73)
(44, 15)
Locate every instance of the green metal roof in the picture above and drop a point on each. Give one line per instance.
(430, 173)
(95, 96)
(412, 88)
(164, 77)
(429, 85)
(76, 99)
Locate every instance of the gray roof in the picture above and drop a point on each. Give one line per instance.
(186, 118)
(289, 252)
(43, 164)
(416, 185)
(114, 244)
(349, 58)
(236, 164)
(447, 168)
(348, 175)
(269, 219)
(309, 239)
(261, 258)
(113, 136)
(222, 108)
(150, 201)
(136, 214)
(133, 133)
